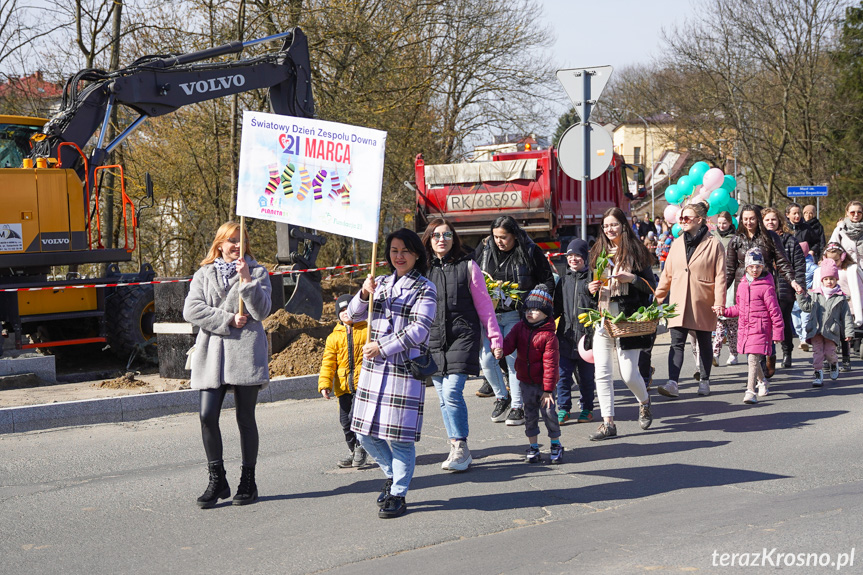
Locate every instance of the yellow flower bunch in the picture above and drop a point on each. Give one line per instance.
(501, 291)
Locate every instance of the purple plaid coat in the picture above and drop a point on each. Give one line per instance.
(388, 403)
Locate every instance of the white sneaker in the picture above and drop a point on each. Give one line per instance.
(446, 464)
(732, 360)
(669, 389)
(762, 388)
(704, 387)
(834, 371)
(750, 397)
(819, 378)
(461, 457)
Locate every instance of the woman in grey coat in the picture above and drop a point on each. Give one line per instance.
(230, 354)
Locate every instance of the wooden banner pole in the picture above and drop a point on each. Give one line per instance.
(372, 296)
(242, 251)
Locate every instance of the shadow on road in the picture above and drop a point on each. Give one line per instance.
(632, 483)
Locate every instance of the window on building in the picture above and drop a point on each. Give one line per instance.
(636, 155)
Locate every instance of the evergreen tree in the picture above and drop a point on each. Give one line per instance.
(849, 133)
(563, 123)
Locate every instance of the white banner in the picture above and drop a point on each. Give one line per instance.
(311, 173)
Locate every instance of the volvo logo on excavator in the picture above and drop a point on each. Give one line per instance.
(55, 241)
(213, 84)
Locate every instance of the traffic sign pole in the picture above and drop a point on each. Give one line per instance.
(583, 95)
(585, 131)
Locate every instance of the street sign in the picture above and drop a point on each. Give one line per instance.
(806, 191)
(570, 151)
(573, 81)
(586, 154)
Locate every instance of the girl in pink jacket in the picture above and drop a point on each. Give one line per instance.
(759, 321)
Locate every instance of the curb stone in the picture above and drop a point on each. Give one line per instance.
(138, 407)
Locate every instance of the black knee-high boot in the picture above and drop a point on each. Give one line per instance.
(247, 492)
(217, 488)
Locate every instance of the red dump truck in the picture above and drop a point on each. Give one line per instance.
(530, 186)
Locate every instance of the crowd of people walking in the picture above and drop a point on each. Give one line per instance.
(433, 322)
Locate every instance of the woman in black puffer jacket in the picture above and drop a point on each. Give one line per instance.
(508, 254)
(752, 233)
(775, 222)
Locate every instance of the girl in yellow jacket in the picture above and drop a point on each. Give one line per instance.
(340, 372)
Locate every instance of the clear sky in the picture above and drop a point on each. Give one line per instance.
(611, 32)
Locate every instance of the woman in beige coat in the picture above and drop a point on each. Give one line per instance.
(694, 279)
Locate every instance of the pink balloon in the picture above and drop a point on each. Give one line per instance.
(713, 179)
(671, 214)
(586, 354)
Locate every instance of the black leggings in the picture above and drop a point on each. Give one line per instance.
(245, 397)
(788, 337)
(675, 356)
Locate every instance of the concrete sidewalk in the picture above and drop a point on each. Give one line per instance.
(138, 407)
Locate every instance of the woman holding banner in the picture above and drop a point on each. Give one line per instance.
(464, 311)
(230, 353)
(388, 405)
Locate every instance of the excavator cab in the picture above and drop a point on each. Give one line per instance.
(15, 134)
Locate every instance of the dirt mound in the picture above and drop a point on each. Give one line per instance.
(297, 341)
(284, 320)
(302, 357)
(125, 381)
(283, 328)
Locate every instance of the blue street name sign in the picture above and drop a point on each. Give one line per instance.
(806, 191)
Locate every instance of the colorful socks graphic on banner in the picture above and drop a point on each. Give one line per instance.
(318, 183)
(335, 184)
(305, 184)
(287, 175)
(274, 179)
(346, 192)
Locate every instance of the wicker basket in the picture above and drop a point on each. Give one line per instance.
(630, 328)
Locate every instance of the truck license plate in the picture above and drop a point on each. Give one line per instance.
(483, 201)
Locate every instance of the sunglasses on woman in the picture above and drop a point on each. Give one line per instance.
(442, 235)
(686, 219)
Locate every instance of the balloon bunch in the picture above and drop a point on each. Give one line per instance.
(702, 184)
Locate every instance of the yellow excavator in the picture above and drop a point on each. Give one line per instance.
(49, 193)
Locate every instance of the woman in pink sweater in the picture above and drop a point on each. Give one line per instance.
(759, 321)
(464, 313)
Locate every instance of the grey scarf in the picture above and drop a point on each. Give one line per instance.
(854, 230)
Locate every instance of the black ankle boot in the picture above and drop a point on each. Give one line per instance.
(247, 491)
(217, 488)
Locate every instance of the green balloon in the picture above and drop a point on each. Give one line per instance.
(715, 208)
(686, 183)
(698, 169)
(729, 183)
(732, 205)
(675, 230)
(734, 221)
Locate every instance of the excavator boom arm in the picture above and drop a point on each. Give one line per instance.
(160, 85)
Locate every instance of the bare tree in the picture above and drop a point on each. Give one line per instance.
(762, 68)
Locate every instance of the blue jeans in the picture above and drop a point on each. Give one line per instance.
(584, 375)
(799, 318)
(450, 391)
(397, 459)
(490, 368)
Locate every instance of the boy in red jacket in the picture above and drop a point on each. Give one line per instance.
(536, 365)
